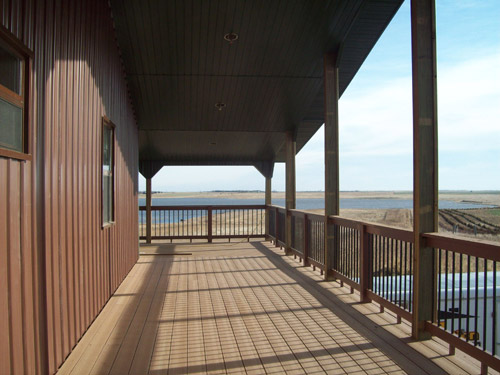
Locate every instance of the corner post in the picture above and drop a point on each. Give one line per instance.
(268, 203)
(332, 194)
(290, 187)
(425, 164)
(148, 210)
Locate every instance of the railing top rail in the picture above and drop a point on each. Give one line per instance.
(354, 224)
(206, 207)
(275, 206)
(239, 207)
(281, 209)
(392, 232)
(297, 213)
(474, 247)
(315, 217)
(378, 229)
(302, 213)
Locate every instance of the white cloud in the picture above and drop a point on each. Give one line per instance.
(377, 122)
(376, 131)
(469, 105)
(470, 175)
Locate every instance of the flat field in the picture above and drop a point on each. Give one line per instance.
(481, 223)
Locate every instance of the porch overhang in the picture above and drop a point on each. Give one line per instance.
(270, 80)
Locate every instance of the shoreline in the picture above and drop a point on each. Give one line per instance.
(479, 197)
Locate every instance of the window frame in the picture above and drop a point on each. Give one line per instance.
(106, 122)
(16, 47)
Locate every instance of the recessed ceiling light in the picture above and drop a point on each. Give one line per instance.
(220, 106)
(231, 37)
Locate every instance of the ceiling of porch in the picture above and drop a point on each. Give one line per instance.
(179, 66)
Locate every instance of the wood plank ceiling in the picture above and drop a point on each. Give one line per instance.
(178, 66)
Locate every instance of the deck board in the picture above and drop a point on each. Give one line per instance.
(245, 308)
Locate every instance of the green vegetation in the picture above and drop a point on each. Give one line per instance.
(495, 211)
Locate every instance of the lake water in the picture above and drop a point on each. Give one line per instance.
(310, 203)
(302, 204)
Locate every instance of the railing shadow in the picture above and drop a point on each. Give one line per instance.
(385, 341)
(135, 331)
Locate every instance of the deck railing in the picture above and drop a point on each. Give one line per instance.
(308, 238)
(203, 222)
(378, 261)
(467, 307)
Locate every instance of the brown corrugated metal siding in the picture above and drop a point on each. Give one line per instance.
(58, 266)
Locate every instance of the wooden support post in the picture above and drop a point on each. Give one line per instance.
(209, 226)
(268, 203)
(276, 226)
(425, 165)
(290, 187)
(364, 265)
(306, 240)
(332, 201)
(267, 169)
(148, 210)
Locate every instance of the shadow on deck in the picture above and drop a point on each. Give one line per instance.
(246, 308)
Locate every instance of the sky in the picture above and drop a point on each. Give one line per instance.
(376, 115)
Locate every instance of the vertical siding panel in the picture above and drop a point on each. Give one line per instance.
(79, 180)
(73, 259)
(78, 167)
(70, 219)
(102, 86)
(67, 168)
(87, 241)
(27, 24)
(106, 82)
(88, 175)
(4, 267)
(94, 139)
(100, 111)
(34, 36)
(27, 270)
(62, 213)
(14, 17)
(14, 265)
(4, 14)
(109, 80)
(56, 208)
(48, 93)
(118, 130)
(92, 187)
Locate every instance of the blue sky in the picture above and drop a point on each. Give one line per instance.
(376, 115)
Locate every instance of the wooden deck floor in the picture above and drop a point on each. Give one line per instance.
(246, 308)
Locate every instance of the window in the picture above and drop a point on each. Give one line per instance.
(108, 167)
(14, 74)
